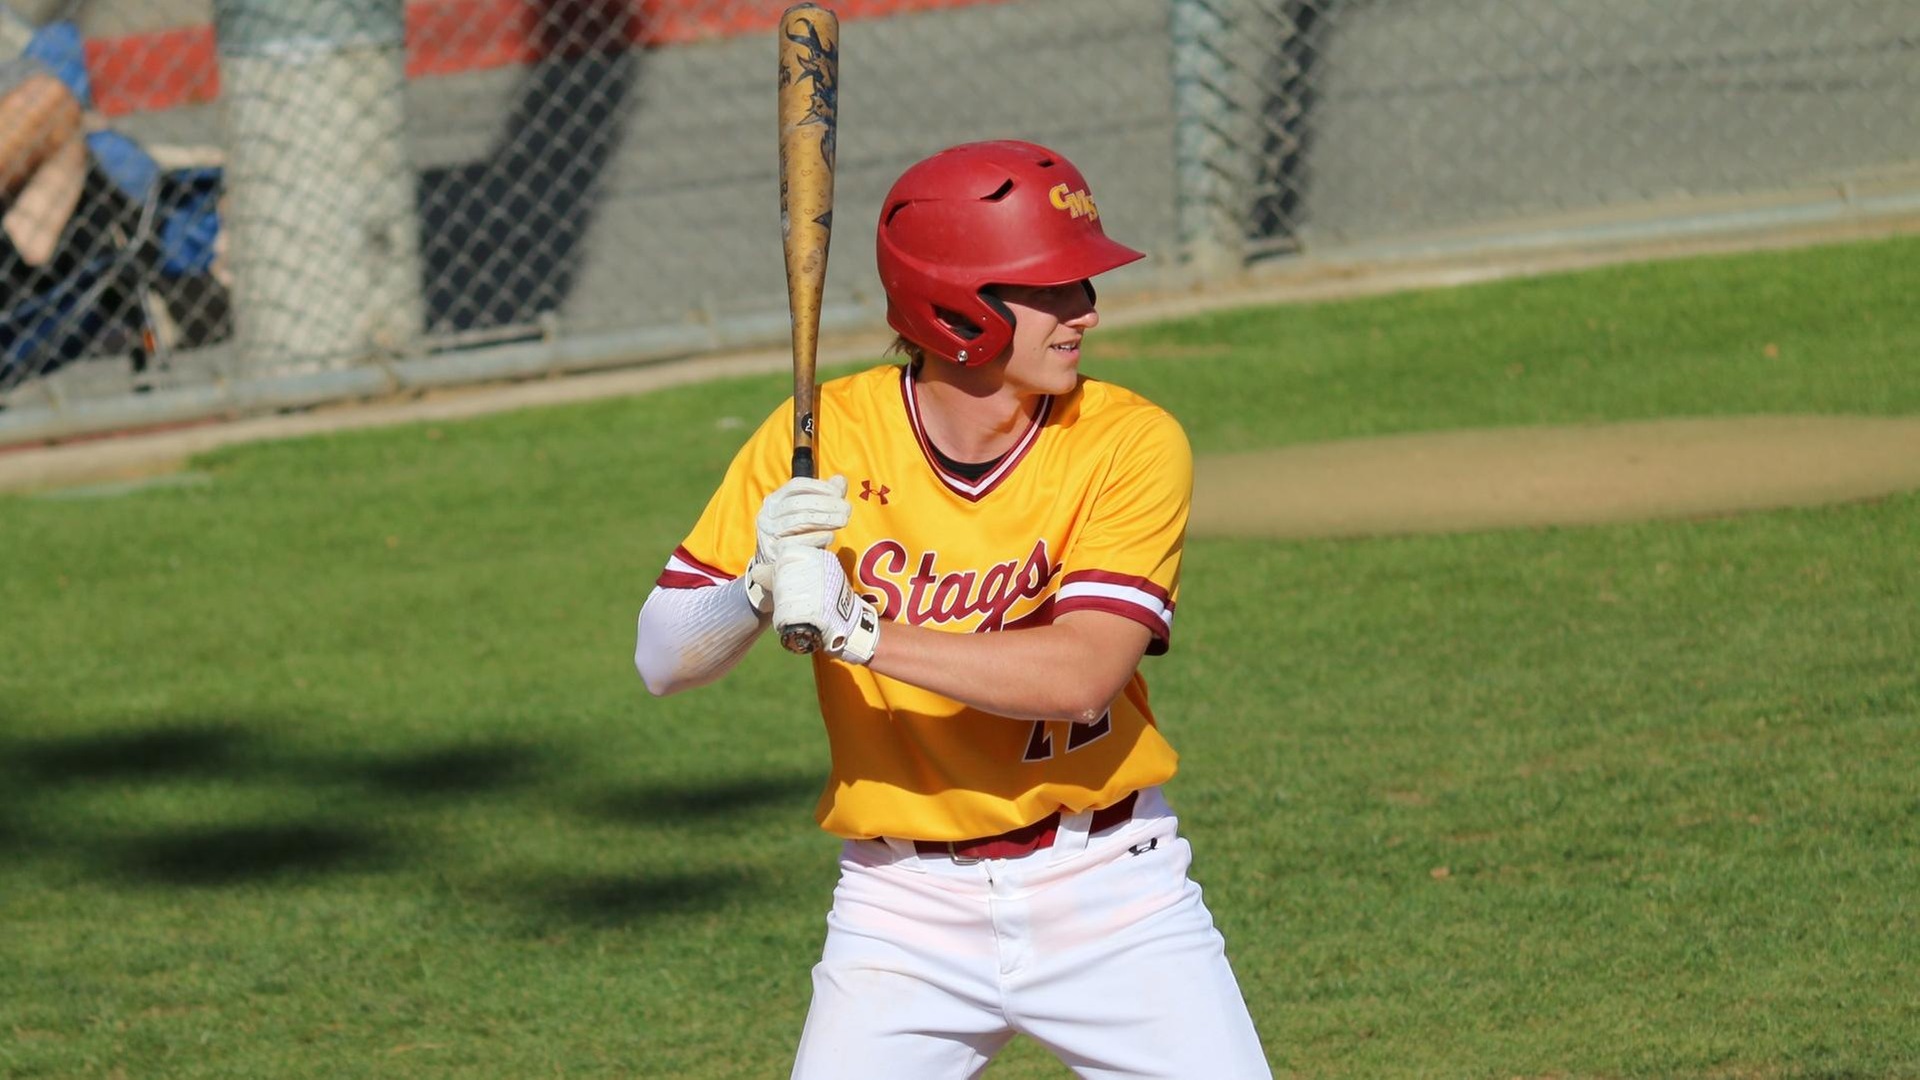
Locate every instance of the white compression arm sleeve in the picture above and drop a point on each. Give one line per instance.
(690, 637)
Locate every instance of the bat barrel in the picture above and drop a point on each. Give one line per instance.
(809, 121)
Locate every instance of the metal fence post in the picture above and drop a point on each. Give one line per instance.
(1208, 179)
(324, 241)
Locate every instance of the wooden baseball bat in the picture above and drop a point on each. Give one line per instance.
(809, 119)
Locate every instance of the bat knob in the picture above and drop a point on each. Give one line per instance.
(800, 639)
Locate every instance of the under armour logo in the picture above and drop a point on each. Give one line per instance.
(868, 491)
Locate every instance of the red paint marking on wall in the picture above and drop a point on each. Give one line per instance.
(149, 72)
(166, 69)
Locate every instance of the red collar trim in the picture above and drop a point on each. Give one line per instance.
(971, 490)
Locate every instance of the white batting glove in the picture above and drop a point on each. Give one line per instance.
(803, 512)
(811, 589)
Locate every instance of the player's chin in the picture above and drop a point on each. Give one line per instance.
(1048, 371)
(1058, 382)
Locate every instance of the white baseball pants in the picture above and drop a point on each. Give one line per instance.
(1098, 948)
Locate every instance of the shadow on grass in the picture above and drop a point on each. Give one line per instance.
(688, 803)
(240, 854)
(189, 750)
(619, 900)
(454, 771)
(196, 803)
(183, 750)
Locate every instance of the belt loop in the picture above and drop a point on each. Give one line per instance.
(1071, 839)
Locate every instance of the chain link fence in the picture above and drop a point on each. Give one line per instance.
(270, 204)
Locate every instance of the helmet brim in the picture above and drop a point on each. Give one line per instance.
(1089, 257)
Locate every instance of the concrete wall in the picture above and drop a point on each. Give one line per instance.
(1439, 113)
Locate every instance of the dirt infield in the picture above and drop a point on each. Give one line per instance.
(1467, 480)
(1451, 481)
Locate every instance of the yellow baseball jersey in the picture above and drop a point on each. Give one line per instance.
(1087, 513)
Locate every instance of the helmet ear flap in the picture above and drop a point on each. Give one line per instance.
(961, 327)
(997, 306)
(996, 331)
(992, 339)
(975, 337)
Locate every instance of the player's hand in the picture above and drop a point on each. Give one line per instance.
(811, 589)
(803, 512)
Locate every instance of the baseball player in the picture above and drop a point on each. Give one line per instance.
(997, 546)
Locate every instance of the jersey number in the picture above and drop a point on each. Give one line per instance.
(1040, 743)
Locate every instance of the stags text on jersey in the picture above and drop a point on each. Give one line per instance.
(923, 595)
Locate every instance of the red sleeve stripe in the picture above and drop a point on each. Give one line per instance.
(1135, 603)
(683, 556)
(1121, 581)
(1162, 628)
(686, 572)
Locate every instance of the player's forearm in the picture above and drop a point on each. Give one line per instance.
(1061, 672)
(690, 637)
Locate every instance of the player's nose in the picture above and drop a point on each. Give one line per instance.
(1080, 311)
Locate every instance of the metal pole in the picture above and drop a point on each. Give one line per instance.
(1207, 179)
(324, 237)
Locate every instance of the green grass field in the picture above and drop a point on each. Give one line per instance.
(331, 762)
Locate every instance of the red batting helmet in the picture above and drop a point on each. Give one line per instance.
(982, 214)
